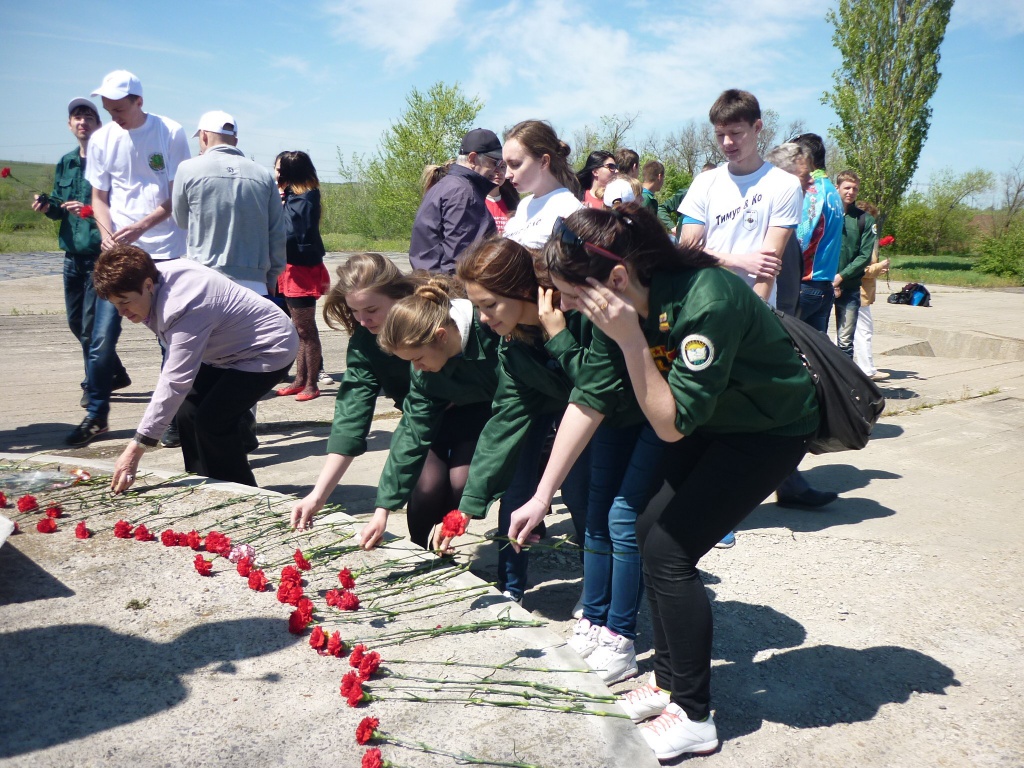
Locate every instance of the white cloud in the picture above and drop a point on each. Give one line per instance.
(293, 63)
(402, 30)
(1003, 17)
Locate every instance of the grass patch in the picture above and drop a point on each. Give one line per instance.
(338, 241)
(966, 395)
(952, 269)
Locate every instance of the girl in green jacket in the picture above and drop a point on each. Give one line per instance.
(455, 361)
(720, 383)
(368, 286)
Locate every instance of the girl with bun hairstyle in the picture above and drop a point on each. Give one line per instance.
(719, 381)
(368, 286)
(454, 359)
(538, 168)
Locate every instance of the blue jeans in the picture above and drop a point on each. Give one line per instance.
(624, 463)
(513, 566)
(97, 326)
(847, 310)
(816, 297)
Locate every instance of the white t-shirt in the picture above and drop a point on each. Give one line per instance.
(535, 217)
(737, 211)
(137, 167)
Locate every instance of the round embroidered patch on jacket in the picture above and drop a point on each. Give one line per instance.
(697, 352)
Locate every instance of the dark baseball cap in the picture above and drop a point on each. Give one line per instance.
(481, 141)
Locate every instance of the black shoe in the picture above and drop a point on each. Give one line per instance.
(809, 498)
(121, 381)
(171, 438)
(86, 432)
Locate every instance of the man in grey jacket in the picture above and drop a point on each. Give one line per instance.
(230, 208)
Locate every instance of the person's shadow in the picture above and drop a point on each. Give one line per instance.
(87, 678)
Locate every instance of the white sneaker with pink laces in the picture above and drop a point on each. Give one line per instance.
(584, 638)
(674, 734)
(646, 701)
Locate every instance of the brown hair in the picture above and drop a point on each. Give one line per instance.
(505, 268)
(433, 174)
(296, 171)
(539, 139)
(123, 269)
(652, 170)
(364, 272)
(734, 106)
(847, 175)
(413, 321)
(631, 232)
(626, 158)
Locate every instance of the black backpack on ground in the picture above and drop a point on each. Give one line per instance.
(848, 400)
(913, 294)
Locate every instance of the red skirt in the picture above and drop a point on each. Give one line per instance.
(298, 282)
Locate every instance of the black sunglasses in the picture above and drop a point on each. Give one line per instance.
(563, 232)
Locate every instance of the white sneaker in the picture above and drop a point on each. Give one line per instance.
(513, 598)
(577, 610)
(646, 701)
(614, 659)
(584, 638)
(674, 734)
(323, 379)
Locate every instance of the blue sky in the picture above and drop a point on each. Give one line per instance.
(332, 73)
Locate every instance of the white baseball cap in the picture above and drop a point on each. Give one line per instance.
(118, 84)
(80, 102)
(618, 191)
(217, 122)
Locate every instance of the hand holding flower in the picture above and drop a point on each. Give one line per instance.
(373, 531)
(126, 468)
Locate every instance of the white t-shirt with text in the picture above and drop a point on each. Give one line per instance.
(535, 217)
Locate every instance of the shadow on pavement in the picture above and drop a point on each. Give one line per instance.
(22, 580)
(106, 679)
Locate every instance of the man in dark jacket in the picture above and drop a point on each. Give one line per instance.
(93, 321)
(859, 238)
(453, 214)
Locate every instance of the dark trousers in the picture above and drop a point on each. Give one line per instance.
(816, 298)
(709, 484)
(214, 418)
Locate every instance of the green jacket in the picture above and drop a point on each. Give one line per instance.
(470, 378)
(729, 362)
(77, 235)
(368, 369)
(668, 211)
(650, 201)
(603, 383)
(533, 379)
(857, 247)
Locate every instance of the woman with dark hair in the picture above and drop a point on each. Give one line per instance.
(538, 167)
(503, 199)
(455, 361)
(305, 277)
(368, 285)
(226, 347)
(720, 383)
(594, 176)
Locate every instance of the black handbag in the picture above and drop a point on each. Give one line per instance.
(849, 401)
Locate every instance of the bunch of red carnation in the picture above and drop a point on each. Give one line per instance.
(27, 503)
(327, 645)
(301, 616)
(123, 529)
(352, 689)
(217, 543)
(342, 599)
(192, 539)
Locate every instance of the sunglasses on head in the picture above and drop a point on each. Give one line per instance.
(564, 233)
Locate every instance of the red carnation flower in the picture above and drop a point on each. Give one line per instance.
(192, 540)
(347, 682)
(357, 655)
(81, 532)
(346, 579)
(301, 561)
(349, 601)
(356, 695)
(142, 534)
(369, 665)
(305, 607)
(297, 623)
(289, 593)
(218, 543)
(123, 529)
(3, 499)
(46, 525)
(454, 524)
(55, 511)
(27, 503)
(887, 240)
(5, 172)
(318, 640)
(257, 580)
(17, 528)
(373, 759)
(366, 730)
(86, 212)
(204, 566)
(333, 597)
(169, 538)
(291, 574)
(336, 646)
(244, 567)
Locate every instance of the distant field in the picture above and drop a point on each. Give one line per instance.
(949, 269)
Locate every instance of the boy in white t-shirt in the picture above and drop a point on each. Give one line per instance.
(132, 163)
(745, 211)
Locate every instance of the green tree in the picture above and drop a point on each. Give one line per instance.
(387, 190)
(942, 217)
(890, 51)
